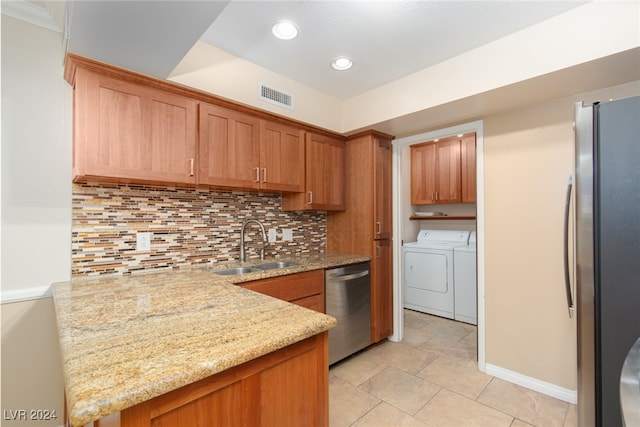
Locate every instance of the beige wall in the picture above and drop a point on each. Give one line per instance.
(31, 363)
(35, 214)
(528, 156)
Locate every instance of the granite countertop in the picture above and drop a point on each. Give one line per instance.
(128, 339)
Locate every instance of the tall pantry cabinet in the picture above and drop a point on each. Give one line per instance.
(365, 226)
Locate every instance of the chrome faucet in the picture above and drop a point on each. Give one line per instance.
(264, 238)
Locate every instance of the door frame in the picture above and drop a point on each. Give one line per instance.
(398, 144)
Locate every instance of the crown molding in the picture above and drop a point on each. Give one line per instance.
(31, 13)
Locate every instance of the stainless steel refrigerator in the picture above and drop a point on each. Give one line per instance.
(607, 253)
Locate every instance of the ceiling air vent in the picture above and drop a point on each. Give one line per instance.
(274, 96)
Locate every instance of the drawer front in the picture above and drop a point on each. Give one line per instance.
(291, 287)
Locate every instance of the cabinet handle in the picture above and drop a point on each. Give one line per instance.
(264, 174)
(190, 167)
(379, 227)
(310, 197)
(257, 174)
(379, 251)
(436, 195)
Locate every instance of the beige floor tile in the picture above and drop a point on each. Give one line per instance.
(455, 375)
(519, 423)
(400, 389)
(403, 356)
(416, 319)
(527, 405)
(449, 409)
(452, 346)
(385, 415)
(415, 336)
(572, 417)
(359, 368)
(347, 403)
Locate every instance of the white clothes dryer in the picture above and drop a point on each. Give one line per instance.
(428, 277)
(465, 282)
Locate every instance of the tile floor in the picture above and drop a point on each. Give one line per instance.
(431, 379)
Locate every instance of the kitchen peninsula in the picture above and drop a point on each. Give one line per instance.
(187, 346)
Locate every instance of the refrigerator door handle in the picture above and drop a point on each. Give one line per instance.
(567, 278)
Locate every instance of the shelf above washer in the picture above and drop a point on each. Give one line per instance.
(429, 218)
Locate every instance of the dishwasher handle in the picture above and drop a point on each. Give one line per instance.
(346, 277)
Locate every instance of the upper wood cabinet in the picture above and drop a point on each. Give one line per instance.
(444, 171)
(238, 150)
(382, 188)
(282, 153)
(324, 176)
(468, 171)
(126, 132)
(423, 173)
(229, 147)
(133, 128)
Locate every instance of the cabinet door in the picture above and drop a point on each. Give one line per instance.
(381, 291)
(229, 145)
(325, 175)
(325, 163)
(448, 171)
(382, 196)
(468, 170)
(423, 173)
(124, 131)
(281, 157)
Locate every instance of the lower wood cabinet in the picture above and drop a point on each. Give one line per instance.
(304, 289)
(288, 387)
(381, 291)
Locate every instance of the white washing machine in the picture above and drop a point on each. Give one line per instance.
(465, 282)
(428, 276)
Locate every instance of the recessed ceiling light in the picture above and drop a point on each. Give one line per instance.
(341, 63)
(285, 30)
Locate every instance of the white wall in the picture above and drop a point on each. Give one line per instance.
(35, 214)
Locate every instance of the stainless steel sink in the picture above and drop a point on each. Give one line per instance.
(237, 270)
(279, 264)
(257, 268)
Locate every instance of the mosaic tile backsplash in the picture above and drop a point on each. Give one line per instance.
(188, 226)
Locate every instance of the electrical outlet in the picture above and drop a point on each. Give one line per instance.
(272, 236)
(287, 234)
(143, 241)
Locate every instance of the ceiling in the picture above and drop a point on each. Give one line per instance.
(386, 39)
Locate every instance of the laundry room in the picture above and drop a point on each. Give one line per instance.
(437, 216)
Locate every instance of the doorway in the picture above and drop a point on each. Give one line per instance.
(402, 210)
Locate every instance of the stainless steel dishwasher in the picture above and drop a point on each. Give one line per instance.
(348, 299)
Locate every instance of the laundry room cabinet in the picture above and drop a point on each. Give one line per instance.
(365, 226)
(444, 171)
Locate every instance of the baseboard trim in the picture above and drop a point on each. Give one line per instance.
(570, 396)
(26, 294)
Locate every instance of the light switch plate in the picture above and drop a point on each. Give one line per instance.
(143, 241)
(287, 234)
(271, 235)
